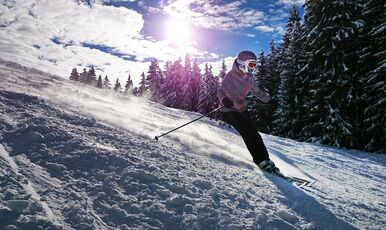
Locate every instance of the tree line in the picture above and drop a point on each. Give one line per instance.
(328, 76)
(89, 77)
(179, 85)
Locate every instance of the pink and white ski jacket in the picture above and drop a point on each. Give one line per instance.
(236, 86)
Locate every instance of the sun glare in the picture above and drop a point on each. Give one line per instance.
(179, 32)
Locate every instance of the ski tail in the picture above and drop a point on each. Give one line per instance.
(301, 182)
(297, 181)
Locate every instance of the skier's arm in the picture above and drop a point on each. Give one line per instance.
(221, 94)
(260, 93)
(224, 88)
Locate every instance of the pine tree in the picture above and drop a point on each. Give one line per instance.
(99, 82)
(155, 80)
(129, 85)
(164, 90)
(171, 89)
(262, 72)
(214, 84)
(83, 76)
(286, 119)
(106, 83)
(74, 75)
(223, 71)
(203, 106)
(117, 86)
(143, 86)
(272, 66)
(272, 82)
(195, 83)
(306, 75)
(258, 110)
(208, 91)
(372, 72)
(91, 77)
(187, 90)
(332, 114)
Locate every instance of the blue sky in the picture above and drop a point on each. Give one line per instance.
(122, 36)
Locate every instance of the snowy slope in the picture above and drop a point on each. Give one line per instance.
(73, 157)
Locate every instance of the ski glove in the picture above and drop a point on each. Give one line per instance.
(228, 103)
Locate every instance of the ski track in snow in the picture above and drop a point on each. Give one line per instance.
(26, 185)
(79, 158)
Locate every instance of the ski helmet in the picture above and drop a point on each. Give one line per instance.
(246, 61)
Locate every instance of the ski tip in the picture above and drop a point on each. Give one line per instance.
(156, 138)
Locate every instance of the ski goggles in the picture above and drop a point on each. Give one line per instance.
(251, 63)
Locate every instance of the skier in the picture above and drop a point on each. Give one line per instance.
(232, 94)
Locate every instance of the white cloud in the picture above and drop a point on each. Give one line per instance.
(119, 0)
(208, 14)
(264, 28)
(279, 29)
(292, 2)
(50, 35)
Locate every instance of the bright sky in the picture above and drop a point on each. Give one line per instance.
(121, 36)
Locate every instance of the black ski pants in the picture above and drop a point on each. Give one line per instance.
(248, 131)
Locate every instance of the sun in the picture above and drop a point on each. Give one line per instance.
(178, 31)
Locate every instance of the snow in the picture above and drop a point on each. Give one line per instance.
(74, 157)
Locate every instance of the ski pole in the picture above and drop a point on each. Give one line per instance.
(205, 115)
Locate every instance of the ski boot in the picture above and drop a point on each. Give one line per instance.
(270, 167)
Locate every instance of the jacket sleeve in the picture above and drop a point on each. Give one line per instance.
(260, 93)
(220, 93)
(222, 90)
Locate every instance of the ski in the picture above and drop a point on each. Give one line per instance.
(300, 182)
(297, 181)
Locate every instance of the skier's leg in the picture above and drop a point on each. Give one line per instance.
(248, 131)
(260, 152)
(252, 139)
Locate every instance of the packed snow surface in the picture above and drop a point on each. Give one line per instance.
(75, 157)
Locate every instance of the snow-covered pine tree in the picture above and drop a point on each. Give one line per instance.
(272, 82)
(203, 106)
(164, 90)
(117, 86)
(91, 77)
(306, 74)
(302, 85)
(260, 113)
(143, 86)
(177, 72)
(333, 117)
(83, 76)
(272, 66)
(286, 119)
(74, 76)
(99, 83)
(155, 80)
(208, 91)
(372, 72)
(223, 71)
(187, 92)
(195, 82)
(171, 89)
(129, 85)
(106, 83)
(262, 72)
(214, 84)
